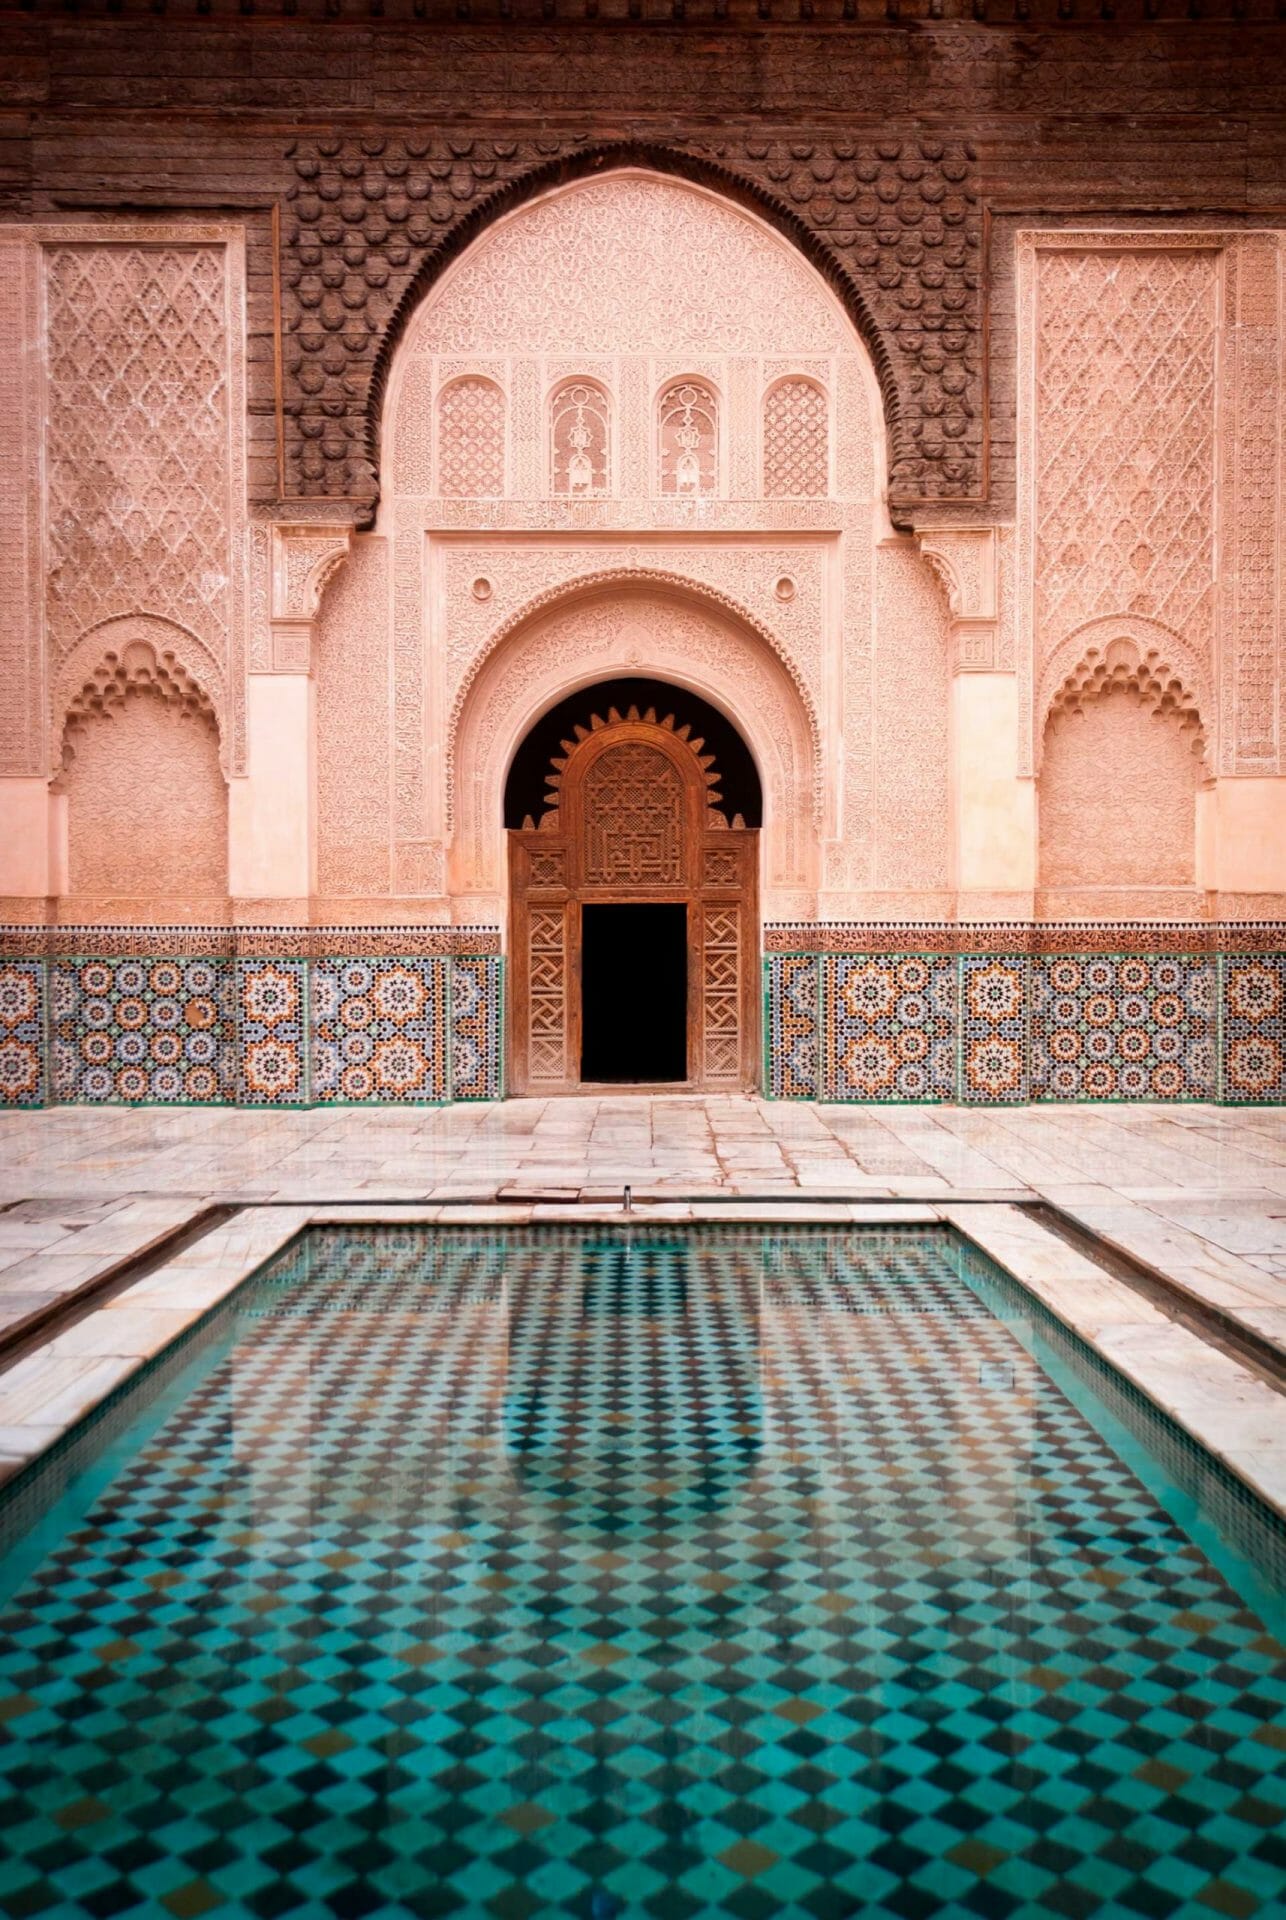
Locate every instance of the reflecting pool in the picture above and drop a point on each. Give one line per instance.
(728, 1571)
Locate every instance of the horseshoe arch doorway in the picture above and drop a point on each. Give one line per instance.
(633, 811)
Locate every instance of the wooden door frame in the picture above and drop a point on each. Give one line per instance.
(549, 886)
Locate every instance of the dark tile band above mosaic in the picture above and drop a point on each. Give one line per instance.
(1025, 936)
(226, 942)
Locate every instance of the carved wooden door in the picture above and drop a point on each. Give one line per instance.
(632, 819)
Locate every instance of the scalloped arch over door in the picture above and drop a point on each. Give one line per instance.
(633, 819)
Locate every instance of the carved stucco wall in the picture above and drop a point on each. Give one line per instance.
(131, 431)
(147, 806)
(911, 750)
(634, 281)
(354, 743)
(1150, 466)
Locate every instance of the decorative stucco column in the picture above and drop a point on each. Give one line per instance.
(272, 812)
(993, 809)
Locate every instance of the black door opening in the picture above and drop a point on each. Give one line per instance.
(634, 992)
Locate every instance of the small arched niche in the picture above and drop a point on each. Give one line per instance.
(147, 803)
(1120, 771)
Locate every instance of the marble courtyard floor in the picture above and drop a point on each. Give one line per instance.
(1192, 1197)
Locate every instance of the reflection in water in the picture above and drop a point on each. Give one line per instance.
(633, 1403)
(723, 1573)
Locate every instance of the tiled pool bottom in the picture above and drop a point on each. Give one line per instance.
(731, 1572)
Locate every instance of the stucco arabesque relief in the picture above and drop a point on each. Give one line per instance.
(144, 456)
(778, 588)
(894, 222)
(1150, 497)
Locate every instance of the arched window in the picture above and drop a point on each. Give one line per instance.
(471, 439)
(579, 442)
(796, 441)
(688, 438)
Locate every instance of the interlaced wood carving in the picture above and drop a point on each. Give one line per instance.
(633, 819)
(633, 815)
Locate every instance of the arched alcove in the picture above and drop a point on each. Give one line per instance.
(137, 751)
(591, 635)
(147, 804)
(1118, 796)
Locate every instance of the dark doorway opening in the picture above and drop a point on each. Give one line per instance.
(634, 992)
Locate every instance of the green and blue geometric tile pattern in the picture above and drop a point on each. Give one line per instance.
(716, 1576)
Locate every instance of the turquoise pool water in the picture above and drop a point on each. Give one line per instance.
(723, 1573)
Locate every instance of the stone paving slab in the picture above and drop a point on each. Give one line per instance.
(1199, 1193)
(59, 1250)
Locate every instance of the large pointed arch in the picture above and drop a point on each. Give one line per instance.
(675, 162)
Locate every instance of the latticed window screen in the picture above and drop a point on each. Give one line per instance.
(471, 439)
(796, 452)
(688, 434)
(579, 427)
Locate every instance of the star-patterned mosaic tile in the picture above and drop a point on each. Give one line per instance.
(725, 1573)
(890, 1026)
(143, 1030)
(379, 1029)
(1123, 1027)
(1254, 1028)
(22, 1033)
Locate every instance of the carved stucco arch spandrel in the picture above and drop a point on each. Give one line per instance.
(631, 628)
(894, 226)
(135, 650)
(634, 580)
(1128, 651)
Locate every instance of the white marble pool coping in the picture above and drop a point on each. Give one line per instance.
(1234, 1413)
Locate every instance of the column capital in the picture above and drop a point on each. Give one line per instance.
(304, 556)
(965, 559)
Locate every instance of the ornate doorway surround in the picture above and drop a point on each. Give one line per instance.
(634, 817)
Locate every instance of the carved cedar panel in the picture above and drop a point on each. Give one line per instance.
(633, 802)
(547, 1061)
(721, 993)
(898, 221)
